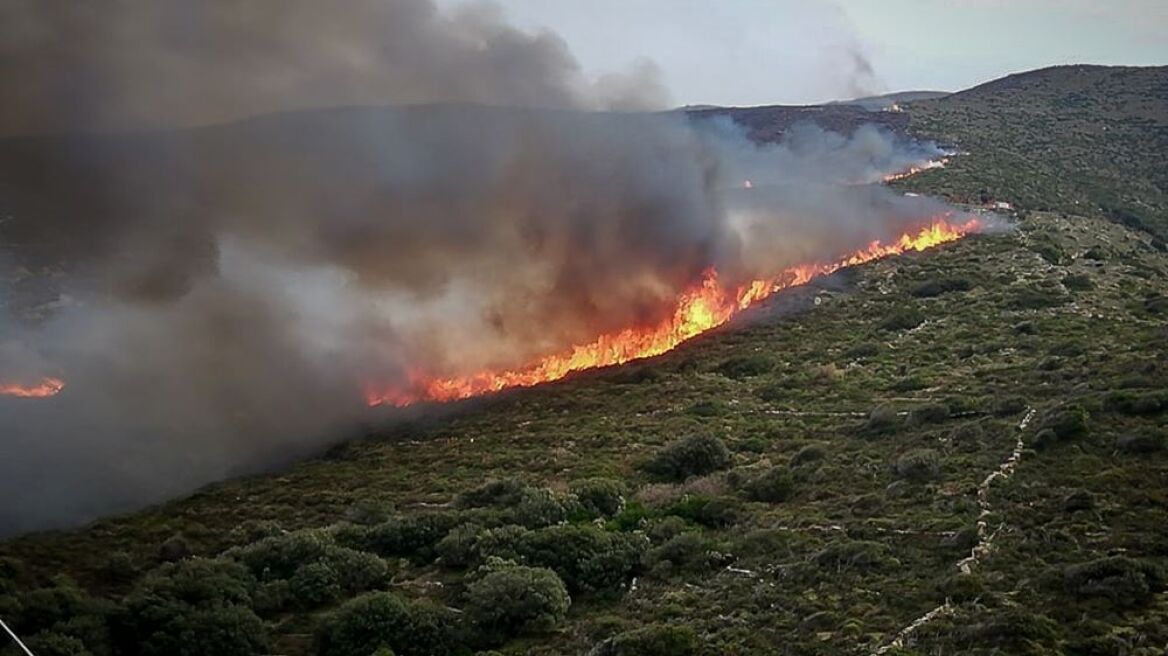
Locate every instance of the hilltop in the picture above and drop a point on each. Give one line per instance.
(956, 451)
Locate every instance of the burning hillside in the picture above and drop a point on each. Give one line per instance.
(46, 387)
(704, 307)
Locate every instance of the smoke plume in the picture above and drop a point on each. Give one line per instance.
(217, 296)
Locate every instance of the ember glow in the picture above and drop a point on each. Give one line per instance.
(913, 170)
(707, 305)
(45, 388)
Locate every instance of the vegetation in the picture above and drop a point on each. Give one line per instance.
(802, 485)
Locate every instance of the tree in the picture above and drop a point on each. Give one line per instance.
(367, 623)
(696, 455)
(511, 599)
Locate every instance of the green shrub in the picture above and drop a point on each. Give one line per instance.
(210, 631)
(938, 286)
(771, 486)
(919, 465)
(1065, 423)
(1137, 403)
(713, 512)
(745, 366)
(809, 453)
(600, 497)
(367, 623)
(691, 456)
(863, 350)
(707, 409)
(902, 320)
(279, 556)
(314, 585)
(1078, 283)
(1140, 443)
(540, 507)
(1008, 405)
(460, 546)
(883, 420)
(50, 643)
(853, 554)
(510, 600)
(683, 552)
(413, 536)
(502, 493)
(1047, 251)
(652, 640)
(930, 413)
(1122, 581)
(588, 559)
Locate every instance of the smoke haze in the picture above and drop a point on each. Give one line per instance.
(216, 297)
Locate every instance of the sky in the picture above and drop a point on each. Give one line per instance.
(748, 52)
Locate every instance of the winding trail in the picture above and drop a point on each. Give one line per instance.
(985, 537)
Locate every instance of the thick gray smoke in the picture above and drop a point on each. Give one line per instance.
(217, 297)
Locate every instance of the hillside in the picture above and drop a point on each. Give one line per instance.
(957, 451)
(1077, 139)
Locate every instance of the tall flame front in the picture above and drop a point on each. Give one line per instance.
(708, 305)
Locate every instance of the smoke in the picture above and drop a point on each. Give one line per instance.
(136, 64)
(217, 297)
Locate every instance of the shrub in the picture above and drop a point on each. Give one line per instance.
(539, 507)
(380, 619)
(1047, 251)
(919, 465)
(772, 486)
(1078, 283)
(853, 554)
(652, 640)
(745, 366)
(1140, 443)
(707, 409)
(460, 546)
(902, 320)
(1123, 581)
(586, 558)
(279, 556)
(1138, 404)
(809, 453)
(938, 286)
(931, 413)
(600, 497)
(716, 512)
(413, 537)
(501, 493)
(686, 551)
(691, 456)
(211, 631)
(1008, 405)
(174, 548)
(43, 608)
(863, 350)
(881, 421)
(512, 600)
(1062, 424)
(666, 528)
(314, 585)
(196, 607)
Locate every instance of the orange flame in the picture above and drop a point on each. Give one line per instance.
(45, 388)
(913, 170)
(706, 306)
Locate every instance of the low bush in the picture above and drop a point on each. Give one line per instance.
(745, 366)
(930, 413)
(1063, 424)
(1122, 581)
(682, 552)
(938, 286)
(1078, 283)
(600, 497)
(771, 486)
(652, 640)
(1138, 403)
(713, 512)
(1140, 443)
(902, 320)
(691, 456)
(918, 465)
(588, 559)
(367, 623)
(509, 600)
(853, 554)
(809, 453)
(883, 420)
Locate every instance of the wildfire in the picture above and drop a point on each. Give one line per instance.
(45, 388)
(708, 305)
(913, 170)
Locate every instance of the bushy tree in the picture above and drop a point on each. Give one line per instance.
(367, 623)
(696, 455)
(314, 585)
(600, 497)
(585, 557)
(508, 600)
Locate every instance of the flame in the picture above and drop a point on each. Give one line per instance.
(708, 305)
(45, 388)
(913, 170)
